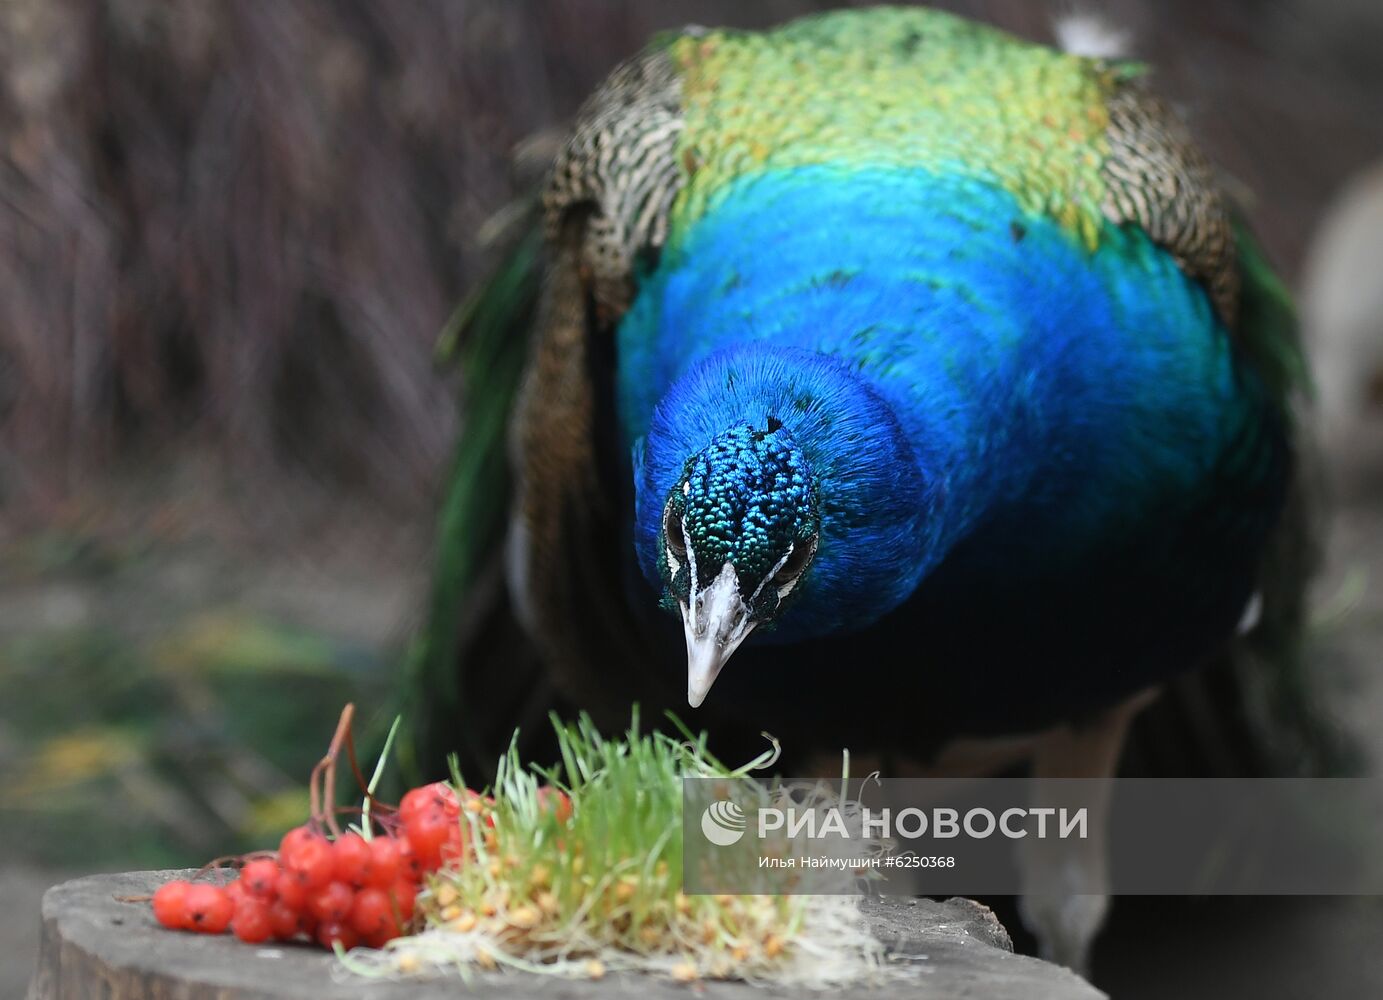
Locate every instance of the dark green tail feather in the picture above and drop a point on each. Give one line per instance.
(1273, 660)
(1267, 328)
(488, 337)
(1255, 710)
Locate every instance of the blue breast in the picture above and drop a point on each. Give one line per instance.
(1070, 392)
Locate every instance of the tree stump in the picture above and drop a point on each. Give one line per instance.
(95, 945)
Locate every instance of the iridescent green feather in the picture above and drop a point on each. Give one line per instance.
(904, 87)
(488, 339)
(1267, 329)
(1280, 700)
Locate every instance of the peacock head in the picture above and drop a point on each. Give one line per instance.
(739, 531)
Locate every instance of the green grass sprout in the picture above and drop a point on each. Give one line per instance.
(365, 830)
(599, 890)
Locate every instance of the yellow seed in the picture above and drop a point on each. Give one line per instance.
(484, 959)
(488, 908)
(773, 946)
(651, 935)
(446, 895)
(511, 861)
(495, 869)
(624, 889)
(540, 877)
(408, 962)
(724, 900)
(740, 952)
(451, 912)
(465, 923)
(660, 868)
(578, 865)
(595, 969)
(682, 903)
(548, 902)
(491, 841)
(709, 931)
(524, 917)
(474, 805)
(683, 972)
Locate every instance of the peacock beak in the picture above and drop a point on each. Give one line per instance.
(715, 624)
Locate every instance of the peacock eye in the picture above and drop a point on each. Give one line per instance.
(797, 560)
(672, 533)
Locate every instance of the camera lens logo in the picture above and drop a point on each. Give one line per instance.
(723, 823)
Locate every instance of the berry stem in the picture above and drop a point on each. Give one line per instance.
(322, 783)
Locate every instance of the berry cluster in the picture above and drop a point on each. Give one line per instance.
(344, 888)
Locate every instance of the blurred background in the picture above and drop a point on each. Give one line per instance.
(229, 236)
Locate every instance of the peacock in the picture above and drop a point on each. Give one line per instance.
(879, 381)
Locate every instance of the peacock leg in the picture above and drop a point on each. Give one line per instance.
(1065, 882)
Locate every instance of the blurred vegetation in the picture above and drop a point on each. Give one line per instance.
(151, 715)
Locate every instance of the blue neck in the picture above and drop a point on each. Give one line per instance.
(938, 354)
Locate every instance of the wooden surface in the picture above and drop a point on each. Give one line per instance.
(94, 945)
